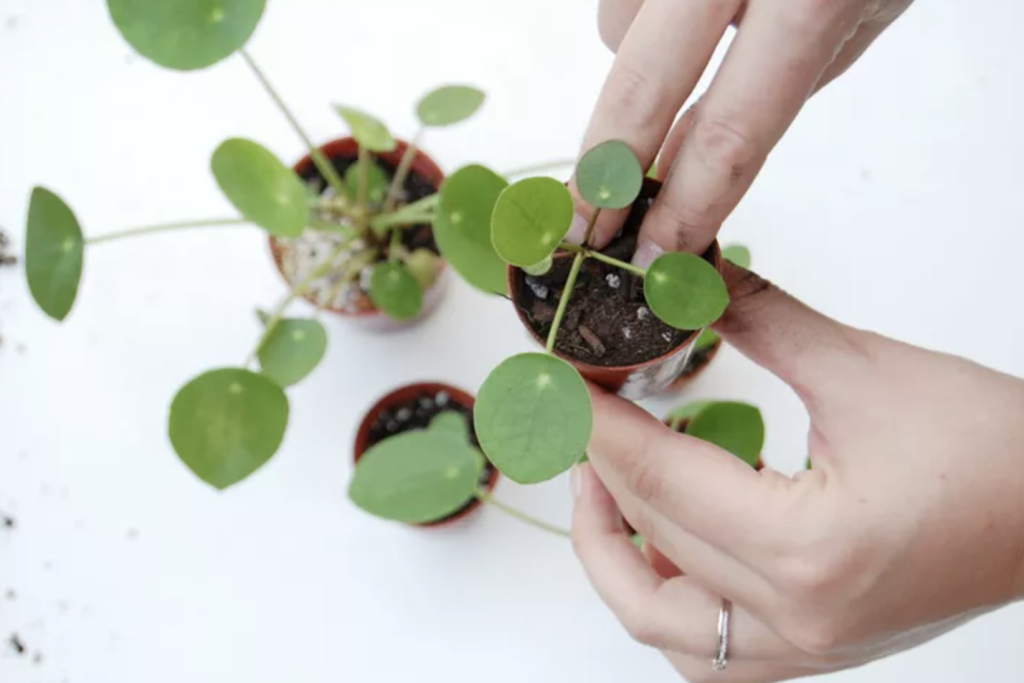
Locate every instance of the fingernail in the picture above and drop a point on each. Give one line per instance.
(576, 481)
(646, 253)
(578, 231)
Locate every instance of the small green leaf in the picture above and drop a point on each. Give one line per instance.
(225, 424)
(417, 477)
(541, 268)
(609, 176)
(451, 422)
(530, 220)
(707, 339)
(395, 291)
(425, 266)
(263, 316)
(737, 254)
(263, 189)
(186, 34)
(652, 172)
(449, 104)
(371, 134)
(293, 350)
(685, 291)
(686, 412)
(377, 183)
(462, 227)
(734, 427)
(54, 251)
(533, 417)
(638, 541)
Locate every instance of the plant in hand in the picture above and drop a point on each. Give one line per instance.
(358, 229)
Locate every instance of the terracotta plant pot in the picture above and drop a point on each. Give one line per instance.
(409, 397)
(696, 366)
(635, 381)
(682, 430)
(424, 170)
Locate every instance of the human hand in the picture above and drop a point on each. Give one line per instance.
(910, 523)
(782, 53)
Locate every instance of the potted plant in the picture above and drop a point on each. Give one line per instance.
(349, 226)
(418, 460)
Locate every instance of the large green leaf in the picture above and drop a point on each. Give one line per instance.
(451, 422)
(738, 254)
(54, 249)
(462, 227)
(225, 424)
(417, 477)
(377, 182)
(263, 189)
(292, 350)
(533, 417)
(609, 176)
(707, 339)
(685, 291)
(186, 34)
(395, 291)
(686, 412)
(734, 427)
(371, 133)
(530, 220)
(449, 104)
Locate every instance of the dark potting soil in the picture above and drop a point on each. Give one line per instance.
(416, 187)
(417, 413)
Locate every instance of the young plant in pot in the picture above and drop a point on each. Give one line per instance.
(418, 460)
(349, 227)
(628, 329)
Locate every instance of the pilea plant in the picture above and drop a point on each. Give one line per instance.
(353, 226)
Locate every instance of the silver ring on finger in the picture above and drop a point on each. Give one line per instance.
(721, 660)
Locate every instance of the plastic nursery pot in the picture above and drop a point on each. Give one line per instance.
(696, 365)
(682, 430)
(425, 178)
(632, 379)
(412, 407)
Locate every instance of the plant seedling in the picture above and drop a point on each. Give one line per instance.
(533, 414)
(226, 423)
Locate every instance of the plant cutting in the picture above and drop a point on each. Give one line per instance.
(418, 460)
(599, 317)
(350, 229)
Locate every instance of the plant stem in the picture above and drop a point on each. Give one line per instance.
(420, 211)
(521, 516)
(394, 249)
(539, 168)
(402, 172)
(163, 227)
(616, 262)
(364, 163)
(590, 227)
(574, 248)
(320, 160)
(563, 303)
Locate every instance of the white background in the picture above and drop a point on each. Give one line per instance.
(893, 204)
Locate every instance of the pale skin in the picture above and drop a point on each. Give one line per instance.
(911, 521)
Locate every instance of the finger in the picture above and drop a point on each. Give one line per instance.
(614, 18)
(660, 60)
(674, 141)
(662, 566)
(817, 356)
(779, 53)
(676, 614)
(698, 669)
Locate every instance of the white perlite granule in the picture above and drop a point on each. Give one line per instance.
(300, 256)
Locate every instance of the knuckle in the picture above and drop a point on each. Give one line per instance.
(636, 101)
(815, 637)
(724, 146)
(642, 475)
(641, 629)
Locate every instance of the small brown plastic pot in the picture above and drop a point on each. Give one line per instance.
(686, 378)
(682, 430)
(631, 382)
(404, 395)
(366, 314)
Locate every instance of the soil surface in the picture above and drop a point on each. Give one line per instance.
(417, 414)
(607, 322)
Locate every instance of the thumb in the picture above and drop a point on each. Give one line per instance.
(817, 356)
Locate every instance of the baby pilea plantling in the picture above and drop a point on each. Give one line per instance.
(227, 423)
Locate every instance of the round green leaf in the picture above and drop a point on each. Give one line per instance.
(225, 424)
(449, 104)
(371, 134)
(533, 417)
(734, 427)
(425, 266)
(462, 227)
(686, 412)
(377, 183)
(186, 34)
(609, 176)
(292, 350)
(417, 477)
(395, 291)
(530, 219)
(451, 422)
(738, 254)
(263, 189)
(685, 291)
(540, 268)
(707, 339)
(54, 249)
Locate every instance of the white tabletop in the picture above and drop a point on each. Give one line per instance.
(893, 204)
